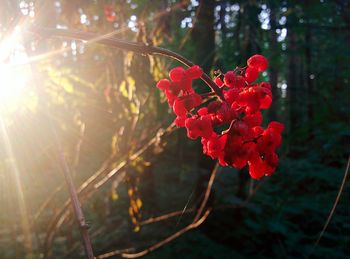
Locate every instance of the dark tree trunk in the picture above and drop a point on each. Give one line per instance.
(203, 35)
(273, 71)
(203, 38)
(309, 82)
(292, 81)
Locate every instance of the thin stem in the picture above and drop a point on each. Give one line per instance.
(207, 192)
(333, 208)
(159, 244)
(74, 199)
(124, 45)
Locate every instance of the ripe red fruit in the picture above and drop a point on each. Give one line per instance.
(240, 82)
(277, 126)
(176, 74)
(194, 72)
(180, 121)
(179, 108)
(202, 111)
(218, 82)
(229, 79)
(163, 84)
(240, 128)
(109, 13)
(254, 119)
(258, 62)
(251, 74)
(256, 168)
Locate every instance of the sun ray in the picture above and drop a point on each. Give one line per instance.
(15, 172)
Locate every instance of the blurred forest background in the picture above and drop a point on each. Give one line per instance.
(112, 124)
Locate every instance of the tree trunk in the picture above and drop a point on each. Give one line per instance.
(203, 35)
(273, 71)
(292, 81)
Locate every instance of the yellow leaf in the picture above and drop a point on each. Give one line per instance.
(133, 108)
(138, 202)
(134, 221)
(137, 228)
(67, 86)
(115, 195)
(123, 90)
(131, 212)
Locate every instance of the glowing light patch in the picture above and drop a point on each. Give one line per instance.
(14, 72)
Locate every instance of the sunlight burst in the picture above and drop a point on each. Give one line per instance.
(14, 71)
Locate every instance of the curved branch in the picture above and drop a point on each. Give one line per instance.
(161, 243)
(198, 220)
(333, 208)
(111, 41)
(207, 192)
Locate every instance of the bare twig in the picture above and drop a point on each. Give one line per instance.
(74, 199)
(207, 192)
(166, 216)
(48, 201)
(161, 243)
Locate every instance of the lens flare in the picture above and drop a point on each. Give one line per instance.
(14, 72)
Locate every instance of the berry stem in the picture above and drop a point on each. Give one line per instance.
(205, 95)
(110, 40)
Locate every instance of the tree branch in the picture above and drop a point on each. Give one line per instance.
(74, 198)
(111, 41)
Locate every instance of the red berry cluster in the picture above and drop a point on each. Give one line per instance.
(243, 141)
(110, 13)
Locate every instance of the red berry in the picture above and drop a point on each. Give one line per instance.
(254, 119)
(180, 121)
(202, 111)
(240, 128)
(240, 82)
(251, 74)
(256, 168)
(231, 95)
(258, 62)
(265, 102)
(179, 108)
(194, 72)
(218, 82)
(229, 79)
(176, 74)
(277, 126)
(163, 84)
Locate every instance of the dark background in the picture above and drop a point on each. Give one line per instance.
(104, 106)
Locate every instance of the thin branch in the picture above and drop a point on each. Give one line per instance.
(161, 243)
(207, 192)
(132, 157)
(124, 45)
(74, 199)
(166, 216)
(341, 188)
(48, 201)
(198, 220)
